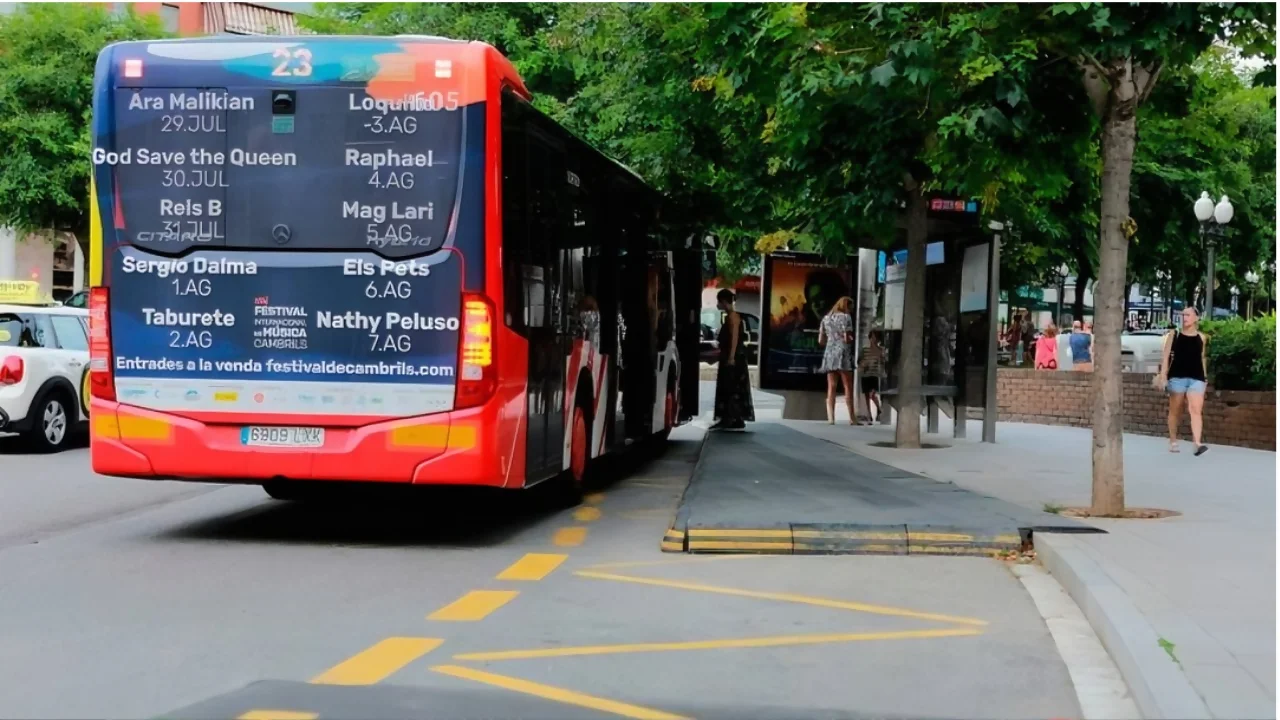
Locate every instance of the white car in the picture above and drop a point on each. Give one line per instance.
(44, 372)
(1140, 351)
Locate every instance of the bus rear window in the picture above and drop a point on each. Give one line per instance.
(302, 167)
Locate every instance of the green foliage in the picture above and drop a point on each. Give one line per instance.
(47, 56)
(518, 30)
(1204, 129)
(1242, 353)
(760, 119)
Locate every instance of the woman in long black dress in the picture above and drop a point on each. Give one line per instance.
(733, 378)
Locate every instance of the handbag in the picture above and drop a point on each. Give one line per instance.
(1160, 381)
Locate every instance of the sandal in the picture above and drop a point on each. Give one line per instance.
(1173, 447)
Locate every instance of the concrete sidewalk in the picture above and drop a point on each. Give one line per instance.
(1185, 605)
(778, 490)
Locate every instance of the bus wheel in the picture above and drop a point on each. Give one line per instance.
(285, 490)
(578, 448)
(567, 488)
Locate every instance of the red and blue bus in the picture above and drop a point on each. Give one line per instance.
(369, 259)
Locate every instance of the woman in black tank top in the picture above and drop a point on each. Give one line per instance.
(1182, 373)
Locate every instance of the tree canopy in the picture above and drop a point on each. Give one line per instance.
(46, 98)
(821, 126)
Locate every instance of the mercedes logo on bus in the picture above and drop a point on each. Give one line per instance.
(281, 234)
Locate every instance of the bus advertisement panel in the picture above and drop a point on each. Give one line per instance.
(284, 236)
(216, 191)
(297, 270)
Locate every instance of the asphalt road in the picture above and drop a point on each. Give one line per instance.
(129, 599)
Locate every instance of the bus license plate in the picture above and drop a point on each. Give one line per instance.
(275, 436)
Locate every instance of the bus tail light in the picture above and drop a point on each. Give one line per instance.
(101, 383)
(477, 373)
(12, 370)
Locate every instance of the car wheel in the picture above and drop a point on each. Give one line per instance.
(52, 424)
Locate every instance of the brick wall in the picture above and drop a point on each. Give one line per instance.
(1241, 418)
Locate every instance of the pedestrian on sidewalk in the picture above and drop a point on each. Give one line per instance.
(1027, 330)
(1081, 348)
(835, 335)
(1184, 372)
(1047, 348)
(871, 365)
(734, 408)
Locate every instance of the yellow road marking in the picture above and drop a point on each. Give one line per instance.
(548, 692)
(586, 513)
(959, 537)
(593, 498)
(784, 597)
(737, 545)
(569, 537)
(942, 537)
(533, 566)
(375, 664)
(277, 715)
(475, 605)
(947, 550)
(735, 532)
(756, 642)
(849, 535)
(867, 549)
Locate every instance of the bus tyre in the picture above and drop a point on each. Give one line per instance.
(283, 490)
(571, 486)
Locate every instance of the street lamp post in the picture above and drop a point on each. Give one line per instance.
(1063, 272)
(1251, 279)
(1235, 299)
(1166, 303)
(1271, 267)
(1213, 223)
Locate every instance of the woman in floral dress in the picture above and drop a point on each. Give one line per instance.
(835, 334)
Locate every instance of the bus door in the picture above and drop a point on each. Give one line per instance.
(547, 331)
(688, 287)
(637, 337)
(662, 323)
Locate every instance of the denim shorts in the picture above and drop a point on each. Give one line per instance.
(1182, 386)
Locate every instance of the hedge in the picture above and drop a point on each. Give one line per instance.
(1242, 353)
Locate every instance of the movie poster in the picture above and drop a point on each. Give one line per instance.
(799, 290)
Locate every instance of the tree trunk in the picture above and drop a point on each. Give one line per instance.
(910, 357)
(1119, 127)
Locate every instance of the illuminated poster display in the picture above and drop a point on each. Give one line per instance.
(799, 290)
